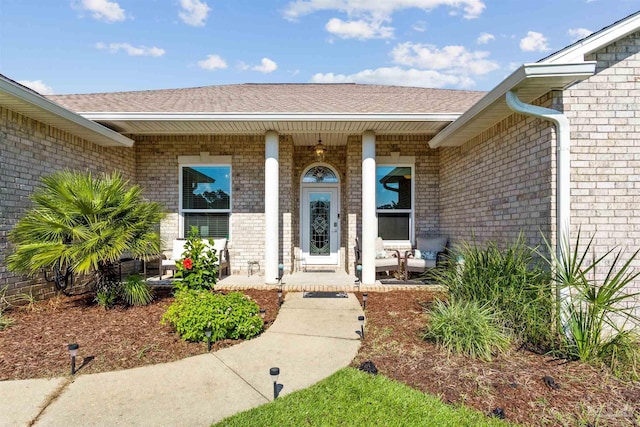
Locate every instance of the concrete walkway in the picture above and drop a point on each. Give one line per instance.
(311, 339)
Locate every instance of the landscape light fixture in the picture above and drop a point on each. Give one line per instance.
(361, 320)
(73, 351)
(319, 150)
(263, 313)
(274, 372)
(364, 301)
(207, 333)
(280, 272)
(280, 295)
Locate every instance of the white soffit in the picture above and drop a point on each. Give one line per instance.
(596, 41)
(21, 100)
(530, 81)
(149, 123)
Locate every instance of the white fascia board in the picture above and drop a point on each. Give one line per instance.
(526, 71)
(596, 41)
(42, 103)
(268, 117)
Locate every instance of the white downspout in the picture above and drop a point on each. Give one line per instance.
(563, 180)
(563, 164)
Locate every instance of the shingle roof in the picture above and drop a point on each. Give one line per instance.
(277, 98)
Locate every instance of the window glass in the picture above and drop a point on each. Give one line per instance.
(393, 226)
(206, 200)
(320, 174)
(393, 187)
(206, 187)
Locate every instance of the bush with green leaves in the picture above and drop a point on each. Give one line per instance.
(135, 291)
(466, 327)
(510, 280)
(198, 267)
(233, 316)
(85, 223)
(596, 314)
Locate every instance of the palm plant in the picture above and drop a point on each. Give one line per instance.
(593, 314)
(84, 223)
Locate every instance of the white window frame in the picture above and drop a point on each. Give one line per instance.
(400, 161)
(204, 159)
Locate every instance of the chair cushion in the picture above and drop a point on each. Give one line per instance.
(419, 263)
(434, 244)
(380, 251)
(390, 262)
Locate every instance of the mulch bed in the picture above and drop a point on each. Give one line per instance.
(514, 382)
(35, 346)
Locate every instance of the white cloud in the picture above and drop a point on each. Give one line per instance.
(266, 66)
(397, 76)
(212, 62)
(359, 29)
(194, 12)
(131, 50)
(578, 33)
(454, 59)
(102, 10)
(420, 27)
(37, 85)
(485, 38)
(534, 42)
(379, 9)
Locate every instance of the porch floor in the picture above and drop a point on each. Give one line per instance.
(315, 281)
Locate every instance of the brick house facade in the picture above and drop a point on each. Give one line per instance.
(478, 169)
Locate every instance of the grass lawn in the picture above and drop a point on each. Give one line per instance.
(353, 398)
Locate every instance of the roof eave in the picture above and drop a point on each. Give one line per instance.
(70, 121)
(596, 41)
(546, 77)
(268, 117)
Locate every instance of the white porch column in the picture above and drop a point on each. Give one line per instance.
(271, 207)
(369, 219)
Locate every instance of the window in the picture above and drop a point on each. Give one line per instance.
(394, 201)
(205, 199)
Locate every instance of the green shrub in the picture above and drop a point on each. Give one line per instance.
(590, 311)
(509, 280)
(106, 298)
(465, 327)
(231, 316)
(198, 267)
(135, 291)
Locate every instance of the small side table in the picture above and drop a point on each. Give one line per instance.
(250, 265)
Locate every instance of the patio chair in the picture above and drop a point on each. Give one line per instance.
(424, 255)
(220, 245)
(386, 259)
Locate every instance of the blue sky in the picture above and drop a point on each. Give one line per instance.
(81, 46)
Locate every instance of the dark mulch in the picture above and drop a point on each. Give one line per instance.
(35, 346)
(514, 382)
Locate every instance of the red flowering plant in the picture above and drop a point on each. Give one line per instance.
(198, 267)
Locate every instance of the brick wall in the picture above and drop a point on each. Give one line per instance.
(158, 173)
(29, 151)
(605, 154)
(500, 183)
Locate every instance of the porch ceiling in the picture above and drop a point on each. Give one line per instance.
(333, 128)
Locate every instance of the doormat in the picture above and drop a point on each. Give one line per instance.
(324, 295)
(401, 282)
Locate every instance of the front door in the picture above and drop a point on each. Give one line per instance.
(319, 240)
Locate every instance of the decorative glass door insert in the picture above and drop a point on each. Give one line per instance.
(319, 225)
